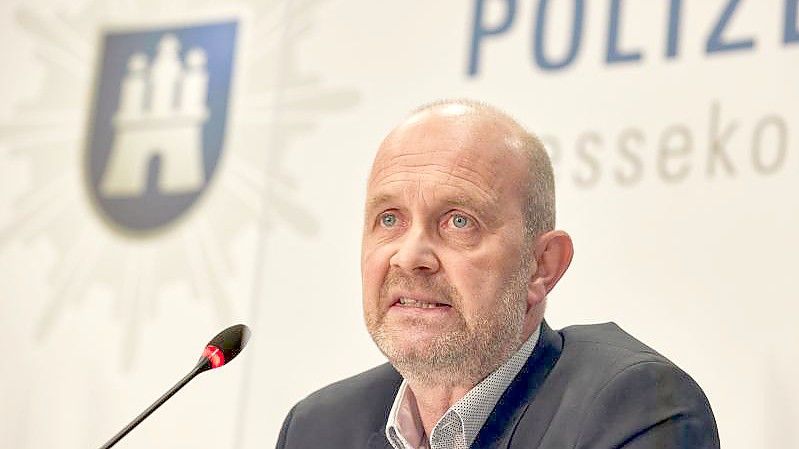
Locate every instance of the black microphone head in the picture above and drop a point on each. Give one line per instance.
(225, 346)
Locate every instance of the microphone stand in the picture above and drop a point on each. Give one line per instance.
(203, 365)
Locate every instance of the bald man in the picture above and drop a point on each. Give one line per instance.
(458, 255)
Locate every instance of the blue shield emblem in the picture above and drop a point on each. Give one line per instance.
(158, 122)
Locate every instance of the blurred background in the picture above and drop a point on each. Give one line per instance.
(171, 168)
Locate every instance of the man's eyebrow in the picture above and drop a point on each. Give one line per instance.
(468, 202)
(459, 201)
(482, 207)
(378, 200)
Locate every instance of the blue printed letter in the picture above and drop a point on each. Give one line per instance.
(674, 29)
(479, 30)
(540, 32)
(614, 54)
(715, 43)
(790, 33)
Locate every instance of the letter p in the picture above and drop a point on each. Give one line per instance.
(480, 29)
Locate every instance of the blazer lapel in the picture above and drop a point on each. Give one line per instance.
(501, 423)
(378, 440)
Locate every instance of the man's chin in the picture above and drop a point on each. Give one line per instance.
(421, 339)
(422, 351)
(417, 349)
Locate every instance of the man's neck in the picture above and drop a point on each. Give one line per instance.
(433, 401)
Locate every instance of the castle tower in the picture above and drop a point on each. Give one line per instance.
(131, 98)
(195, 83)
(164, 75)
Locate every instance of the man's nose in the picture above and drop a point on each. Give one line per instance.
(416, 253)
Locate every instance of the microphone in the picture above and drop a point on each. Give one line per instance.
(220, 350)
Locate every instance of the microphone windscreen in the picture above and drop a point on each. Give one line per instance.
(229, 342)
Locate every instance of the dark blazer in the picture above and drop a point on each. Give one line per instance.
(583, 387)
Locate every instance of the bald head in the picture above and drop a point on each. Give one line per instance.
(480, 122)
(456, 257)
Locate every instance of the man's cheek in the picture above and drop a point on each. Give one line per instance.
(368, 264)
(373, 278)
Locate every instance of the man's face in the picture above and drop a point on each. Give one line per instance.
(444, 260)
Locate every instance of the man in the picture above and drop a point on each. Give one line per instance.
(459, 252)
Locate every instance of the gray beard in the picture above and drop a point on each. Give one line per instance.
(467, 354)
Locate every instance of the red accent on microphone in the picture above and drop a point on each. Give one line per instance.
(214, 355)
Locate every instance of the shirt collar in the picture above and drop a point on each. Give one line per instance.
(404, 426)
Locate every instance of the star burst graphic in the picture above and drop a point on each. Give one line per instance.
(272, 103)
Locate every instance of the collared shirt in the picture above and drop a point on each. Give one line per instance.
(459, 426)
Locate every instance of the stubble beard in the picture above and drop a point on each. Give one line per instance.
(468, 352)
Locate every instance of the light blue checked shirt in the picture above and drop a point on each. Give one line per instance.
(458, 428)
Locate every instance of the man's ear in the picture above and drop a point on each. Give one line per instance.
(553, 253)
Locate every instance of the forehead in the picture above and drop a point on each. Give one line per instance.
(460, 156)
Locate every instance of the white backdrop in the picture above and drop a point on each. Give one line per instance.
(676, 174)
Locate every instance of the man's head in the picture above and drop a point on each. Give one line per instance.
(459, 250)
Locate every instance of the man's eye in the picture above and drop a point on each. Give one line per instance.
(388, 220)
(460, 221)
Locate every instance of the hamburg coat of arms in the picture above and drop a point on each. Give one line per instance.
(158, 122)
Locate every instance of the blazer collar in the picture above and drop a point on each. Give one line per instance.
(378, 440)
(502, 422)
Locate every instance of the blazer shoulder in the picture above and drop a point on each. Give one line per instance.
(343, 414)
(608, 389)
(363, 388)
(609, 342)
(599, 358)
(595, 355)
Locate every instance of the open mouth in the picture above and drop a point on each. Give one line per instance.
(409, 302)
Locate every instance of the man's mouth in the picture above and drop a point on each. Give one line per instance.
(410, 302)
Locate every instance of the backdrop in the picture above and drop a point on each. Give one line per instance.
(171, 168)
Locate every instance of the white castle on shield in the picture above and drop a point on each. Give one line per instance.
(161, 114)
